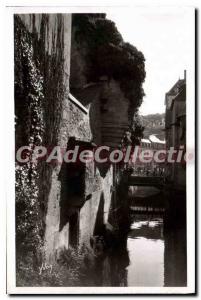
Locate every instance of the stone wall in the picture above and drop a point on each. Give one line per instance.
(62, 204)
(114, 114)
(108, 109)
(74, 201)
(48, 39)
(175, 120)
(95, 211)
(65, 119)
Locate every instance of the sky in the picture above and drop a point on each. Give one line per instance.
(164, 37)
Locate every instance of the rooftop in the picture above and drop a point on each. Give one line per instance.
(154, 139)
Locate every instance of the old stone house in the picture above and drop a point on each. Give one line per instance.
(74, 201)
(175, 131)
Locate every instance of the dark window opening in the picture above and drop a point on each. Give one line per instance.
(103, 107)
(74, 230)
(72, 177)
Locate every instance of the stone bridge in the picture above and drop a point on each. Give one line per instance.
(156, 181)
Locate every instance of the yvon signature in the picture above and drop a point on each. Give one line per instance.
(45, 267)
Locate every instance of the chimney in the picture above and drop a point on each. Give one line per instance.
(185, 75)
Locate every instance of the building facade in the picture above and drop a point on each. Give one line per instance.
(74, 201)
(175, 131)
(151, 167)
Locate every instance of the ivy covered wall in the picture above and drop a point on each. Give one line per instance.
(42, 66)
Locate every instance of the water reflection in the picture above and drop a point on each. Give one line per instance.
(150, 256)
(112, 270)
(146, 251)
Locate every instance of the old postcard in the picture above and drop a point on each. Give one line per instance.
(101, 196)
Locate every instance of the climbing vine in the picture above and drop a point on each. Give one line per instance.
(29, 131)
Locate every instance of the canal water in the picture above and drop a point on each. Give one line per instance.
(146, 247)
(151, 256)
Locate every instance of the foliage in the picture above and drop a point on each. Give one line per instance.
(95, 30)
(109, 55)
(72, 268)
(154, 124)
(29, 131)
(137, 129)
(28, 88)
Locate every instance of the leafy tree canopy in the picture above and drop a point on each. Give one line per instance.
(109, 55)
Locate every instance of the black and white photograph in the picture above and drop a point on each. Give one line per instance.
(102, 188)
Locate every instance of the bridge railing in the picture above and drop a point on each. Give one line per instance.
(145, 181)
(146, 172)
